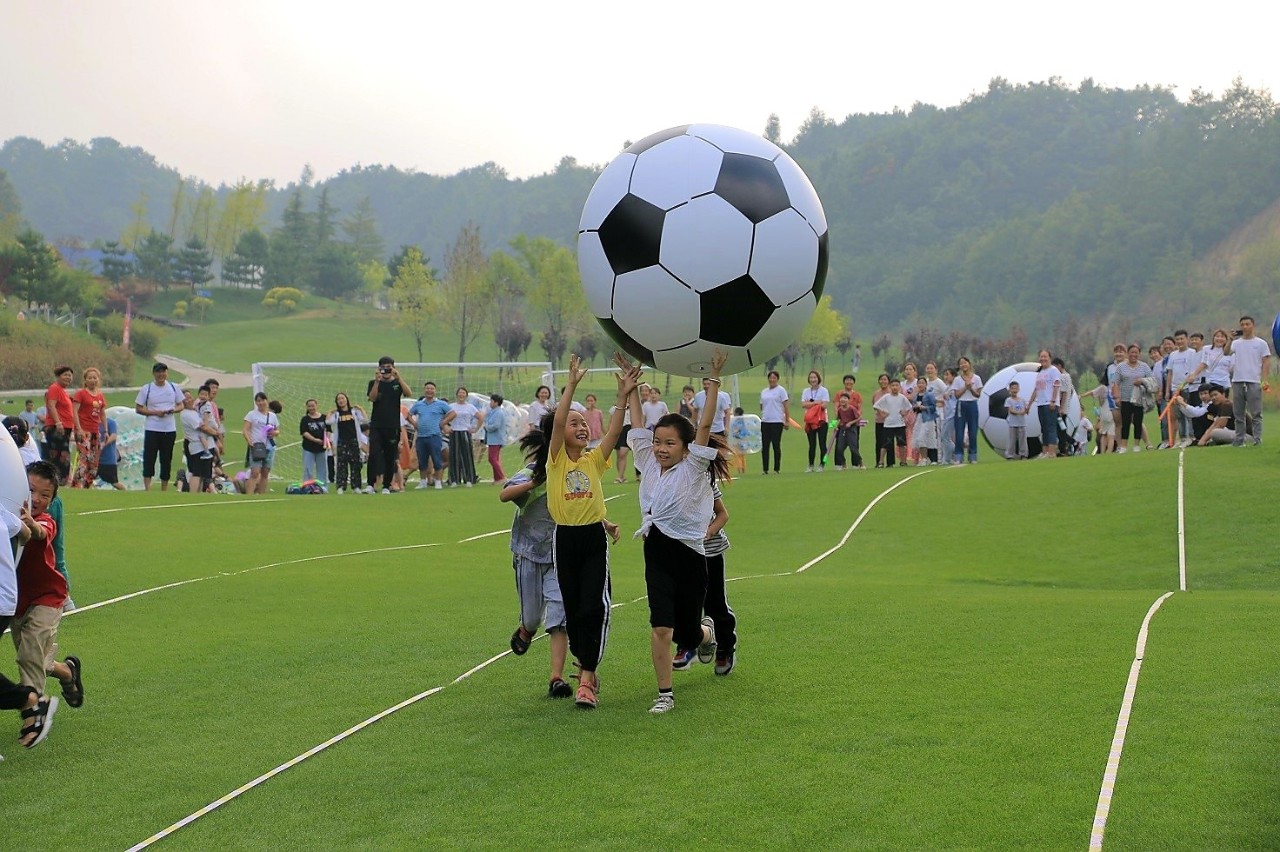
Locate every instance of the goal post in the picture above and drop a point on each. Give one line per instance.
(292, 383)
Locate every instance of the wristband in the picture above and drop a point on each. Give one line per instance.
(712, 379)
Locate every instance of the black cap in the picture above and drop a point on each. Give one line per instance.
(158, 366)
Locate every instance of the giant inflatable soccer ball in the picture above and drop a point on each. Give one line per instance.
(992, 414)
(14, 489)
(699, 238)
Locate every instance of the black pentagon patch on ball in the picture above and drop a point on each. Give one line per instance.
(995, 404)
(631, 234)
(626, 341)
(655, 139)
(734, 313)
(820, 277)
(753, 186)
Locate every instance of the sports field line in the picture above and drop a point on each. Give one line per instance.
(322, 556)
(177, 506)
(266, 776)
(883, 494)
(1109, 774)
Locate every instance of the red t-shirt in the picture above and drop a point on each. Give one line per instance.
(57, 403)
(39, 583)
(90, 412)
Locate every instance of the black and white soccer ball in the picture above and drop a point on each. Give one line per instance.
(700, 238)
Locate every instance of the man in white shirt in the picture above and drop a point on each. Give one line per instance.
(724, 407)
(1178, 366)
(159, 400)
(1252, 358)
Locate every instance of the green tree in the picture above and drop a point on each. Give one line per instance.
(115, 265)
(773, 129)
(413, 296)
(361, 231)
(33, 268)
(154, 258)
(192, 264)
(292, 245)
(337, 272)
(201, 305)
(247, 263)
(465, 293)
(824, 330)
(10, 210)
(554, 291)
(326, 216)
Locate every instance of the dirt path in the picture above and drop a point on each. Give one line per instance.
(197, 374)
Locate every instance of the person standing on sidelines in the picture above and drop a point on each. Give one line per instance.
(159, 401)
(428, 416)
(775, 417)
(1046, 399)
(1251, 357)
(88, 407)
(495, 427)
(386, 389)
(966, 387)
(59, 422)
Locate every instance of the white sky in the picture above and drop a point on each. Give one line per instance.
(257, 88)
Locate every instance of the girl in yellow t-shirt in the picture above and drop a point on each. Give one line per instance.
(575, 499)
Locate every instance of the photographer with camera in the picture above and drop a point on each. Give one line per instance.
(386, 389)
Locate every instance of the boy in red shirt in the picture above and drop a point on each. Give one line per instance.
(41, 593)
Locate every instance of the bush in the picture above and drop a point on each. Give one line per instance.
(144, 335)
(31, 349)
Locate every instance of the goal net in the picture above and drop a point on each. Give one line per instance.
(293, 383)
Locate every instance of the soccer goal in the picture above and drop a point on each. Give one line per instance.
(293, 383)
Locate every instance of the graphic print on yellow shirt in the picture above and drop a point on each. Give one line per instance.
(574, 495)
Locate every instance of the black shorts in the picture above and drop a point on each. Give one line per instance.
(622, 439)
(675, 576)
(197, 466)
(109, 473)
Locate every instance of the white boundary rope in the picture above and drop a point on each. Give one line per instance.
(236, 793)
(1131, 685)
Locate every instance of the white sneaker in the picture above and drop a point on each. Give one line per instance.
(663, 703)
(468, 484)
(386, 491)
(368, 489)
(342, 491)
(422, 483)
(439, 486)
(809, 469)
(822, 469)
(1137, 449)
(707, 650)
(1123, 450)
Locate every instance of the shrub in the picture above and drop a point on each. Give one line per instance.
(144, 335)
(30, 351)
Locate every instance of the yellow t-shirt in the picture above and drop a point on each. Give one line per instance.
(574, 495)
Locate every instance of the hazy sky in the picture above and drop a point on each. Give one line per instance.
(257, 88)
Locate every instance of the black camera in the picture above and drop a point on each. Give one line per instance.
(386, 371)
(1238, 333)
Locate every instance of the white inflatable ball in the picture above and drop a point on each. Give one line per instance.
(698, 238)
(14, 490)
(992, 413)
(130, 427)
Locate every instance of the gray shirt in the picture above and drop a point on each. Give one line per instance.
(533, 530)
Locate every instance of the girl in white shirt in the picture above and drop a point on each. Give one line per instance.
(677, 466)
(815, 427)
(967, 389)
(462, 462)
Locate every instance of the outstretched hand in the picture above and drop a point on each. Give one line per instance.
(718, 360)
(576, 372)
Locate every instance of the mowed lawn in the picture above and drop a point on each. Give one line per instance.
(950, 677)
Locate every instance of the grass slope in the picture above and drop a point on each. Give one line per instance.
(950, 678)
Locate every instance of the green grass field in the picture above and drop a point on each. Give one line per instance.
(951, 677)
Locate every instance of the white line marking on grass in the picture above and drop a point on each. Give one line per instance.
(92, 606)
(885, 493)
(483, 535)
(1122, 727)
(1182, 526)
(236, 793)
(180, 506)
(185, 821)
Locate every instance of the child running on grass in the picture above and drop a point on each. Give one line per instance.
(676, 507)
(42, 592)
(532, 535)
(716, 603)
(15, 696)
(575, 499)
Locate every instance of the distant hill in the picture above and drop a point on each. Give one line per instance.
(1020, 207)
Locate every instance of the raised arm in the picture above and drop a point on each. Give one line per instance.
(709, 411)
(576, 374)
(628, 381)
